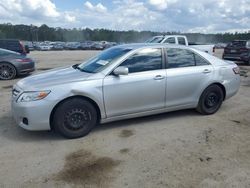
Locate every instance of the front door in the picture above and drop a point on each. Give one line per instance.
(143, 89)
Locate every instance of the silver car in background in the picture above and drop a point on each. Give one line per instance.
(123, 82)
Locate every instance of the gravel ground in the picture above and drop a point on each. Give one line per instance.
(177, 149)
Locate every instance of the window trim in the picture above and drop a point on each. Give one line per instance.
(163, 64)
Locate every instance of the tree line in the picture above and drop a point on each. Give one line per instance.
(46, 33)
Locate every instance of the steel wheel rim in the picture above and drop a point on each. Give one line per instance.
(6, 72)
(77, 119)
(212, 100)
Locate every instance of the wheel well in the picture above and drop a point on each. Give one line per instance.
(223, 89)
(69, 98)
(9, 64)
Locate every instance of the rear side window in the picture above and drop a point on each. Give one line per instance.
(181, 40)
(144, 60)
(184, 58)
(180, 58)
(170, 40)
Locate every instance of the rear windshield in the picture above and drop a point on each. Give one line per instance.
(237, 44)
(7, 52)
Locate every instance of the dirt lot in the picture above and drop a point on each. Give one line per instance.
(178, 149)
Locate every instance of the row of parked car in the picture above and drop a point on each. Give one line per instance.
(58, 45)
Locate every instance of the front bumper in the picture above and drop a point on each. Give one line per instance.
(34, 115)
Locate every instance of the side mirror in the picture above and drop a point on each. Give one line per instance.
(121, 71)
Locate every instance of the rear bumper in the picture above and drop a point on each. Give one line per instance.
(237, 57)
(25, 68)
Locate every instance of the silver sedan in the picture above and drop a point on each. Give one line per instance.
(123, 82)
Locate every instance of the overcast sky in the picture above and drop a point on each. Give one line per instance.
(205, 16)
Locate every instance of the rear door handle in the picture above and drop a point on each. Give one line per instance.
(159, 77)
(205, 71)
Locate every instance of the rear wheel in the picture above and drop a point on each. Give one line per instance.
(75, 118)
(7, 71)
(210, 100)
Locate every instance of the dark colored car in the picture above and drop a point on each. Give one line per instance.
(14, 45)
(238, 50)
(13, 64)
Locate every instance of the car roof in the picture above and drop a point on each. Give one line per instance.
(134, 46)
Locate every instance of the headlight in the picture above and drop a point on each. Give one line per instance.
(33, 96)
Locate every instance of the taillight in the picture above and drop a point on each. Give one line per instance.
(25, 60)
(236, 70)
(243, 49)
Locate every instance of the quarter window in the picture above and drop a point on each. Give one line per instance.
(200, 61)
(144, 60)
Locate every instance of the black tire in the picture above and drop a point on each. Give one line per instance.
(75, 118)
(210, 100)
(7, 71)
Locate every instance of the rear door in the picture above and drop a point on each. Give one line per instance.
(143, 89)
(187, 73)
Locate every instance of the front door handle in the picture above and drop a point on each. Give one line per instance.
(205, 71)
(159, 77)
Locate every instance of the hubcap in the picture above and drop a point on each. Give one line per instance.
(77, 119)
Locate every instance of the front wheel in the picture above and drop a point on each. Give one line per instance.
(75, 118)
(210, 100)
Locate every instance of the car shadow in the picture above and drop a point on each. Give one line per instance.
(140, 121)
(10, 130)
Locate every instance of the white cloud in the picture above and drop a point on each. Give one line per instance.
(204, 16)
(162, 4)
(99, 7)
(69, 17)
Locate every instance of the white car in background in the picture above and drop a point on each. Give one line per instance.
(181, 40)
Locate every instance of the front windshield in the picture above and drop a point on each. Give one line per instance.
(155, 39)
(102, 60)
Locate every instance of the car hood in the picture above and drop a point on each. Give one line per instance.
(53, 77)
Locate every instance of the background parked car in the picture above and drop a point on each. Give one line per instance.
(14, 45)
(13, 64)
(238, 50)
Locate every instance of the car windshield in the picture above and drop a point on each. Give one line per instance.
(155, 39)
(102, 60)
(7, 52)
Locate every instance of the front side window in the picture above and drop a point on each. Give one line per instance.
(144, 60)
(180, 58)
(170, 40)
